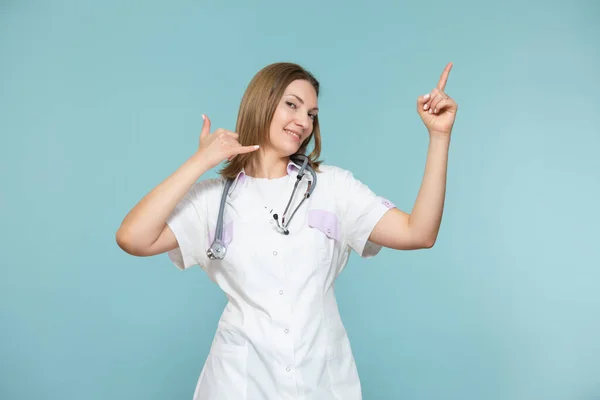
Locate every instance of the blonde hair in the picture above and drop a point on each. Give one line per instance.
(256, 112)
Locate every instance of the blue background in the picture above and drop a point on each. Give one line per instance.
(101, 101)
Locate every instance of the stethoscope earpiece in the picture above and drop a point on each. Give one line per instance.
(281, 228)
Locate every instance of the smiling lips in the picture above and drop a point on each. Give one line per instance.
(293, 134)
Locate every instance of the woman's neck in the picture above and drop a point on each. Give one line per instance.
(267, 165)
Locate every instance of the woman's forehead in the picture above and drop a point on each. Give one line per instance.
(303, 91)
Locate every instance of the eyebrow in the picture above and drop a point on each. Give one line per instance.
(302, 101)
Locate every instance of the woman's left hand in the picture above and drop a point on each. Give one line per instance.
(437, 109)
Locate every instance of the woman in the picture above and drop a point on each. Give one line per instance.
(281, 236)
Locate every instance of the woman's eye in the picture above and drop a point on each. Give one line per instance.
(312, 116)
(289, 103)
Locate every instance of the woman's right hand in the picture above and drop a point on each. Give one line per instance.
(219, 146)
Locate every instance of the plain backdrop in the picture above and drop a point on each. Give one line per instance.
(101, 101)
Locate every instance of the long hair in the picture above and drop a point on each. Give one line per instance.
(256, 112)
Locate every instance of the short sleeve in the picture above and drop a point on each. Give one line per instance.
(189, 223)
(361, 210)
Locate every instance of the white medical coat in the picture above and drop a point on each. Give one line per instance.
(280, 335)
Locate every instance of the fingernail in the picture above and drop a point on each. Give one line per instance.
(203, 117)
(256, 146)
(435, 111)
(425, 106)
(426, 96)
(430, 111)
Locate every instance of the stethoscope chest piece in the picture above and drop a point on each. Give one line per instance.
(217, 250)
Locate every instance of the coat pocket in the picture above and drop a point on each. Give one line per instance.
(227, 234)
(326, 222)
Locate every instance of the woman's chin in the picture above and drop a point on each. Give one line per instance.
(288, 149)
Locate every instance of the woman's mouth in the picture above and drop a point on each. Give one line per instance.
(293, 134)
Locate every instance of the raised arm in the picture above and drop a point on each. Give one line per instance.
(402, 231)
(144, 231)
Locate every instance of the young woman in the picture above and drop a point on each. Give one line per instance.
(275, 230)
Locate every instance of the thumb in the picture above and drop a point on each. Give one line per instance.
(421, 101)
(205, 127)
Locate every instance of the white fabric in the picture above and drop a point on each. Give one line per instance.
(280, 335)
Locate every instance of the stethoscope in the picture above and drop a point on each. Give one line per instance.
(217, 249)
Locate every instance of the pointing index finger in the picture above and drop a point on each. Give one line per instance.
(444, 78)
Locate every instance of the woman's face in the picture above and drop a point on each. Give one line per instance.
(294, 118)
